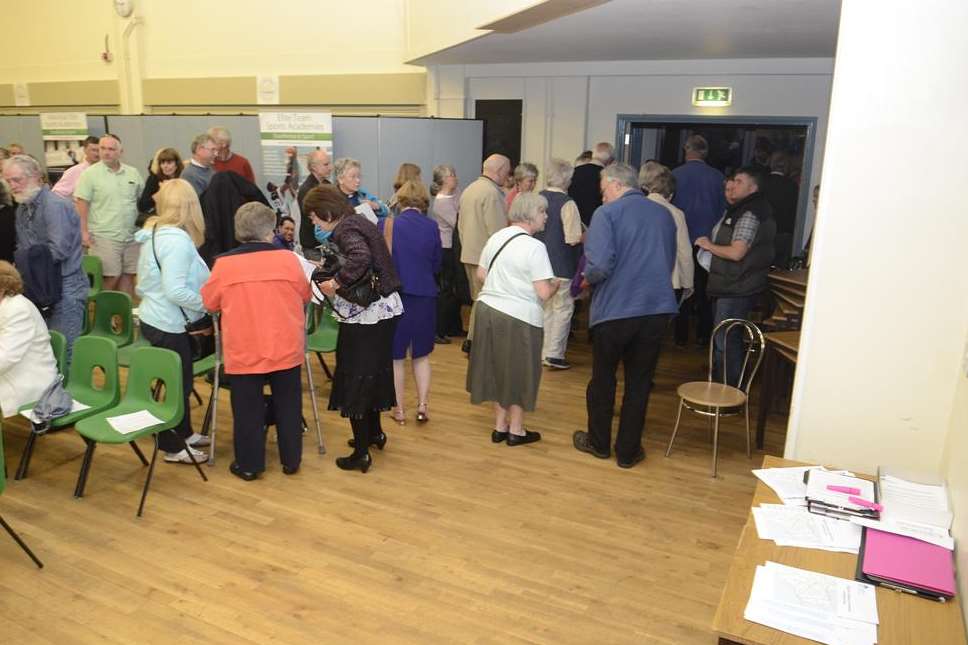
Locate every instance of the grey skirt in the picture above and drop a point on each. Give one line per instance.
(505, 362)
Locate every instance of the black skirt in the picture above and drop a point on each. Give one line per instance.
(363, 381)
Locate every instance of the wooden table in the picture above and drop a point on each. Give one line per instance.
(780, 345)
(904, 619)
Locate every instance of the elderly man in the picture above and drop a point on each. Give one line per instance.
(482, 215)
(738, 255)
(106, 198)
(225, 159)
(44, 218)
(320, 166)
(630, 251)
(584, 188)
(68, 181)
(699, 194)
(198, 172)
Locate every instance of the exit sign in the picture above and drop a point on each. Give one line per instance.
(712, 96)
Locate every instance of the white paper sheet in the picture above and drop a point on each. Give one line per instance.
(366, 211)
(795, 526)
(133, 422)
(76, 406)
(788, 483)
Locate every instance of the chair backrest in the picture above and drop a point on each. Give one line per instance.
(322, 328)
(58, 344)
(754, 345)
(149, 364)
(108, 306)
(91, 264)
(91, 352)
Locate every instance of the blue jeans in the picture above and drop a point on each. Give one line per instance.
(68, 314)
(727, 308)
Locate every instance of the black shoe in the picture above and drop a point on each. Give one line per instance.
(499, 437)
(466, 347)
(583, 442)
(520, 440)
(441, 340)
(639, 456)
(556, 363)
(287, 470)
(242, 474)
(380, 441)
(355, 462)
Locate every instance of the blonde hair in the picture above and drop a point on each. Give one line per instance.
(412, 194)
(177, 205)
(11, 284)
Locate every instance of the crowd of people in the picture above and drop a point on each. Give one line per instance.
(194, 238)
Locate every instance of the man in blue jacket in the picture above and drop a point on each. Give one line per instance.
(630, 251)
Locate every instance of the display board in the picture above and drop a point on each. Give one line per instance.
(25, 130)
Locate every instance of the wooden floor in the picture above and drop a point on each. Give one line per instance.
(447, 539)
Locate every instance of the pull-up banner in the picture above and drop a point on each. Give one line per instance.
(63, 134)
(287, 137)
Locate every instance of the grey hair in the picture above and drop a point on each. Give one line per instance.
(603, 152)
(219, 133)
(28, 164)
(696, 144)
(341, 165)
(525, 206)
(200, 140)
(656, 178)
(524, 170)
(312, 156)
(622, 173)
(558, 174)
(254, 222)
(440, 173)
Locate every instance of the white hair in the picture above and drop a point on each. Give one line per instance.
(558, 173)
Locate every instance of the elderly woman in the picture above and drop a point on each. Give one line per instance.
(261, 292)
(525, 177)
(505, 361)
(406, 172)
(165, 165)
(27, 364)
(349, 174)
(659, 184)
(363, 382)
(414, 242)
(443, 209)
(562, 237)
(170, 276)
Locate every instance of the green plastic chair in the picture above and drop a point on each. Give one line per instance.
(125, 353)
(7, 527)
(58, 344)
(90, 352)
(107, 305)
(91, 264)
(147, 365)
(322, 332)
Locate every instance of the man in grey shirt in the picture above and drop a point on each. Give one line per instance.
(198, 172)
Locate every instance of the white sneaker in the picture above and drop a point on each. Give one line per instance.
(182, 457)
(198, 440)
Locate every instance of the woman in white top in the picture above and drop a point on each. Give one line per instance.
(27, 364)
(658, 183)
(443, 208)
(505, 361)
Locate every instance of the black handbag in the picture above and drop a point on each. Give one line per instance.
(364, 291)
(202, 345)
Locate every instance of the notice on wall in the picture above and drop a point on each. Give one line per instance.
(287, 137)
(63, 134)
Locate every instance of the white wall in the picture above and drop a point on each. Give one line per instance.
(886, 317)
(956, 473)
(570, 106)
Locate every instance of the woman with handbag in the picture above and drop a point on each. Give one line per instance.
(505, 361)
(170, 277)
(363, 289)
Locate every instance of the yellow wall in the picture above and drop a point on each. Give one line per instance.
(956, 472)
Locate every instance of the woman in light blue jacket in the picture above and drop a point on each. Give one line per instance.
(170, 276)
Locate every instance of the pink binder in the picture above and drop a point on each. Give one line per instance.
(909, 562)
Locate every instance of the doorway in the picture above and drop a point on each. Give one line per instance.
(502, 127)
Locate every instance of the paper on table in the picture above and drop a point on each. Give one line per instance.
(788, 483)
(133, 422)
(914, 502)
(931, 534)
(819, 480)
(366, 211)
(76, 406)
(795, 526)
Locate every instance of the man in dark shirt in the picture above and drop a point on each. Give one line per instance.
(585, 183)
(782, 193)
(320, 166)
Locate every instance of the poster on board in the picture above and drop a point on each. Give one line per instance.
(63, 134)
(287, 137)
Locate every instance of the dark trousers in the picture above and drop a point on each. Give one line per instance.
(180, 344)
(733, 346)
(249, 412)
(634, 342)
(448, 305)
(365, 431)
(698, 304)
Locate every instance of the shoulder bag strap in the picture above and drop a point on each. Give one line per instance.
(506, 242)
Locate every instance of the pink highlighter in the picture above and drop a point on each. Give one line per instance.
(866, 503)
(848, 490)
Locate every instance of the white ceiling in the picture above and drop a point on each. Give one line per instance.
(663, 29)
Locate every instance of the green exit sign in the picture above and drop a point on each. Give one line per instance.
(712, 96)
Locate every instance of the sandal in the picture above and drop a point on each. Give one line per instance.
(422, 413)
(399, 416)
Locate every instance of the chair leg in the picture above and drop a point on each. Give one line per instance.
(151, 470)
(715, 443)
(322, 363)
(208, 414)
(675, 429)
(137, 451)
(197, 397)
(312, 398)
(746, 410)
(85, 468)
(25, 457)
(194, 462)
(23, 545)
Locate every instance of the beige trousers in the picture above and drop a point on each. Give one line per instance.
(476, 285)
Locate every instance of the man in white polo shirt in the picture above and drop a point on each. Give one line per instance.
(106, 197)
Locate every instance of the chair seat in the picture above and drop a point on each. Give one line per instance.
(712, 394)
(98, 429)
(98, 404)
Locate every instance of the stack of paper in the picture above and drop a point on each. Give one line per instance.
(794, 526)
(788, 483)
(813, 605)
(912, 509)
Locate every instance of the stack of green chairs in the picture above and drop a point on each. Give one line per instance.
(322, 332)
(107, 306)
(3, 523)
